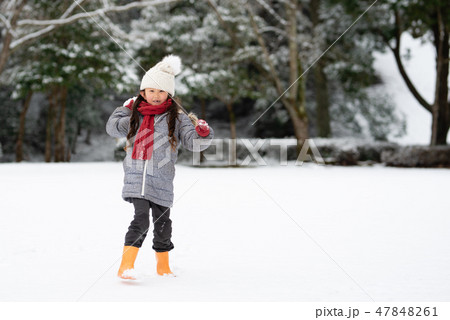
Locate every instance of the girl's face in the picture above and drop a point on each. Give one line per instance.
(154, 96)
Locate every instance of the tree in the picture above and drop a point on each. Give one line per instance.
(320, 76)
(345, 81)
(21, 132)
(227, 71)
(215, 66)
(8, 123)
(69, 58)
(340, 62)
(288, 82)
(425, 19)
(20, 31)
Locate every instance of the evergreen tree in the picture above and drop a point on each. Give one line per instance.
(77, 57)
(356, 106)
(337, 85)
(215, 67)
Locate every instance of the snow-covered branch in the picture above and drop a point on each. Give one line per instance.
(87, 14)
(10, 5)
(37, 34)
(272, 12)
(229, 30)
(34, 35)
(272, 71)
(273, 29)
(69, 10)
(5, 21)
(66, 19)
(106, 3)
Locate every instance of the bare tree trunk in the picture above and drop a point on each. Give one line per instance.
(56, 127)
(50, 125)
(322, 101)
(60, 129)
(232, 118)
(231, 115)
(398, 59)
(68, 153)
(88, 137)
(300, 125)
(441, 112)
(21, 133)
(4, 54)
(63, 124)
(440, 108)
(6, 49)
(73, 143)
(321, 82)
(203, 108)
(297, 112)
(296, 101)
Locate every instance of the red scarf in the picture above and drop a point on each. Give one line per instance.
(143, 144)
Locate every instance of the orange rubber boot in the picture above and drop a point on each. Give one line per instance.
(162, 263)
(128, 258)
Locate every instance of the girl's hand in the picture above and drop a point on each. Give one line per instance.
(202, 128)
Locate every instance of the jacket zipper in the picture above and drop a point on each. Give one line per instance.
(143, 178)
(158, 117)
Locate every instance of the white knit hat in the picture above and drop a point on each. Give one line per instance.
(162, 75)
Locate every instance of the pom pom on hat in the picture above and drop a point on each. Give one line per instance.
(171, 64)
(162, 75)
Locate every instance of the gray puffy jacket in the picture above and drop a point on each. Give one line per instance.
(153, 179)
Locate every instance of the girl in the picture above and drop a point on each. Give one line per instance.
(155, 124)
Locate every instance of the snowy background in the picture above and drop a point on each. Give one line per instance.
(268, 233)
(418, 132)
(421, 69)
(309, 233)
(276, 233)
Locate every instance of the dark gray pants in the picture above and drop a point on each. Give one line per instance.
(162, 226)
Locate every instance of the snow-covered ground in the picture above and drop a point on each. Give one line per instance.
(286, 233)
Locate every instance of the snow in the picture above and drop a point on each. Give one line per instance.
(100, 149)
(421, 68)
(274, 233)
(131, 273)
